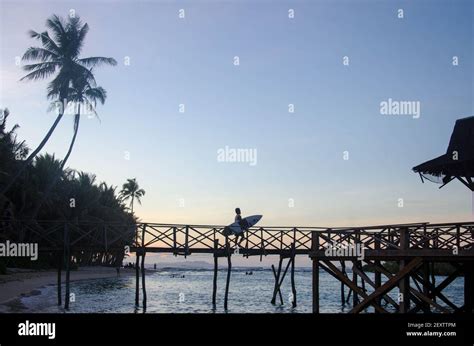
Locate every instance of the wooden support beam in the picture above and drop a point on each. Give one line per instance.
(371, 283)
(415, 294)
(355, 299)
(343, 269)
(143, 280)
(293, 286)
(175, 250)
(143, 267)
(214, 281)
(426, 273)
(229, 269)
(404, 284)
(332, 270)
(315, 272)
(433, 277)
(68, 269)
(283, 277)
(387, 286)
(137, 279)
(275, 277)
(435, 291)
(276, 288)
(186, 242)
(59, 284)
(427, 300)
(377, 274)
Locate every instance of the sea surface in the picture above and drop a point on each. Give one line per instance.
(190, 291)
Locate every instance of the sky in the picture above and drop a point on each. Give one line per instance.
(334, 161)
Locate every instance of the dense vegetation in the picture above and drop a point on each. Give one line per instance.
(76, 196)
(36, 187)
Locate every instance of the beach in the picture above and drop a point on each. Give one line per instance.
(23, 283)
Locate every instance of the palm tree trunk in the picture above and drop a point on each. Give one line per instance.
(49, 188)
(34, 153)
(131, 204)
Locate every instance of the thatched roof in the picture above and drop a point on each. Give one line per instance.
(459, 158)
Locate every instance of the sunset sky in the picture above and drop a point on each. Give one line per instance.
(300, 176)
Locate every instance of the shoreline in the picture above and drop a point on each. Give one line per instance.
(15, 286)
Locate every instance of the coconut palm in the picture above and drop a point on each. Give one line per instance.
(81, 93)
(131, 191)
(58, 56)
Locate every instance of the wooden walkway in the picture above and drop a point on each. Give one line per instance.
(415, 247)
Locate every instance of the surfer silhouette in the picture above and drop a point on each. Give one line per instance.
(243, 225)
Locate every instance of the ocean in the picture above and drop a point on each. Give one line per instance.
(190, 291)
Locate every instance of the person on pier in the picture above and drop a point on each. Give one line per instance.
(243, 225)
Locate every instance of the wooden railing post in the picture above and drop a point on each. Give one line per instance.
(174, 241)
(186, 244)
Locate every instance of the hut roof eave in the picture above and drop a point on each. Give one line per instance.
(444, 165)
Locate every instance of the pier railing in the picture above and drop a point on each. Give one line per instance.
(385, 241)
(423, 239)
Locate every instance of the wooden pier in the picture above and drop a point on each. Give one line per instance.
(415, 247)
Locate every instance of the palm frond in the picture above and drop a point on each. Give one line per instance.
(33, 67)
(36, 53)
(40, 73)
(97, 61)
(98, 93)
(55, 23)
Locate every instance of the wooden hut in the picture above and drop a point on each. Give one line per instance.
(458, 162)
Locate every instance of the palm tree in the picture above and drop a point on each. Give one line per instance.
(81, 93)
(131, 191)
(58, 55)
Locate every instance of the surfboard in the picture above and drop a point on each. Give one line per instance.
(235, 228)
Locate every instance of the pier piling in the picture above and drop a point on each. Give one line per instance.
(315, 265)
(137, 279)
(229, 269)
(143, 280)
(214, 282)
(276, 288)
(67, 245)
(59, 283)
(143, 267)
(404, 284)
(293, 285)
